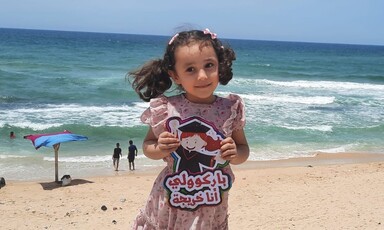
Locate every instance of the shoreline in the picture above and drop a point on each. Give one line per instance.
(328, 191)
(315, 160)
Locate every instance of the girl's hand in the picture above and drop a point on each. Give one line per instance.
(228, 149)
(168, 142)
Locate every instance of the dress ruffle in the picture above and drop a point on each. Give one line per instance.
(236, 120)
(156, 115)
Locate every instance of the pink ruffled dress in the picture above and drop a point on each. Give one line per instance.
(227, 115)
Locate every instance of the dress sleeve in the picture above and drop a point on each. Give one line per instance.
(156, 115)
(237, 119)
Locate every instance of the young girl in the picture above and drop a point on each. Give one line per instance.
(186, 197)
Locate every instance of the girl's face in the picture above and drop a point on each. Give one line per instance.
(196, 70)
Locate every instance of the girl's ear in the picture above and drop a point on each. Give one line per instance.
(174, 76)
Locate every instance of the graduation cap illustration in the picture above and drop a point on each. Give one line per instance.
(194, 127)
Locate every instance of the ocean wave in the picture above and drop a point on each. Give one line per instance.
(322, 128)
(326, 85)
(315, 100)
(8, 99)
(332, 150)
(81, 159)
(260, 64)
(87, 159)
(49, 116)
(10, 156)
(332, 85)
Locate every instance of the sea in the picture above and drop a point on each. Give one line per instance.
(301, 99)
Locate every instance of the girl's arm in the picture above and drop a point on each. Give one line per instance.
(235, 148)
(158, 148)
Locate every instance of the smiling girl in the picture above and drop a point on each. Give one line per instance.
(197, 62)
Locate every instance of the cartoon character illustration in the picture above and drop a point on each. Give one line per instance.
(197, 179)
(199, 145)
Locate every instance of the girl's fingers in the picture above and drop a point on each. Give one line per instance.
(228, 149)
(167, 138)
(168, 142)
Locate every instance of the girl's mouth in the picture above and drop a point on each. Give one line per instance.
(203, 86)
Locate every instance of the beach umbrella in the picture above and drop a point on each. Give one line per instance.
(54, 140)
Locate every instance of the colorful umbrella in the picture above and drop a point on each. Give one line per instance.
(54, 140)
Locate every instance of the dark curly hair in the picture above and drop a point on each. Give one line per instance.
(152, 79)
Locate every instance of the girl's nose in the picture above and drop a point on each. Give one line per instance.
(202, 75)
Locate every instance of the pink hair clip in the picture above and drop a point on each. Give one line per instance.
(173, 38)
(213, 35)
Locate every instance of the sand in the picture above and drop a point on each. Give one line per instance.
(330, 191)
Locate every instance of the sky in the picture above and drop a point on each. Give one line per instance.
(325, 21)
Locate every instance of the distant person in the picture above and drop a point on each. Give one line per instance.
(116, 156)
(12, 135)
(132, 152)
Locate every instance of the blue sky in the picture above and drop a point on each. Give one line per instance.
(329, 21)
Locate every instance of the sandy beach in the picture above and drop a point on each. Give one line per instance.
(329, 191)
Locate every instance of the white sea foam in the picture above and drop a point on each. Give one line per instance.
(81, 159)
(10, 156)
(86, 159)
(260, 64)
(323, 84)
(270, 153)
(322, 128)
(57, 115)
(341, 149)
(315, 100)
(332, 85)
(332, 150)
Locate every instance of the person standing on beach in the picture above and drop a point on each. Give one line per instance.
(116, 156)
(198, 133)
(132, 152)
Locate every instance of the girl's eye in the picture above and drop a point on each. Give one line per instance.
(190, 69)
(209, 65)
